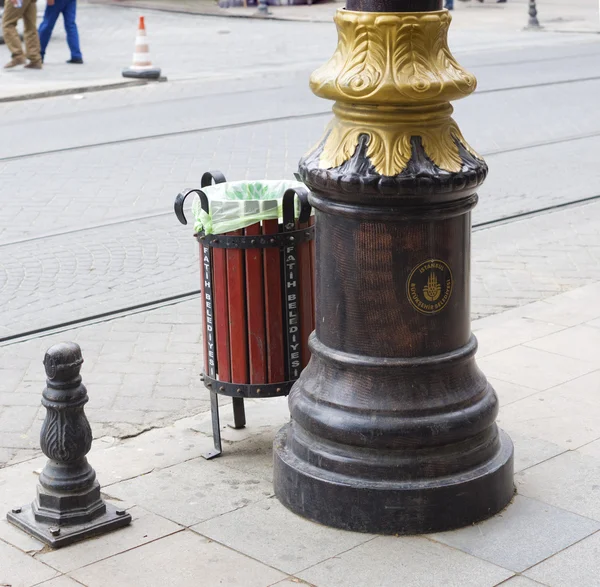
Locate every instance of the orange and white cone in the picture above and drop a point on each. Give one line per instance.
(142, 65)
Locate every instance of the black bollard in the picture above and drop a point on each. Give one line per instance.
(68, 507)
(534, 23)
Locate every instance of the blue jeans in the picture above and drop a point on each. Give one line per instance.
(68, 8)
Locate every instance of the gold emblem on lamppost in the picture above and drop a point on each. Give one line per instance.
(429, 286)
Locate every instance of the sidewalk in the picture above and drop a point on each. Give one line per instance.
(554, 15)
(220, 521)
(279, 44)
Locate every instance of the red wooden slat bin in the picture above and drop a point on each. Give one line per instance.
(258, 303)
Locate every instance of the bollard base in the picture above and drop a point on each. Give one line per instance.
(59, 536)
(392, 506)
(142, 73)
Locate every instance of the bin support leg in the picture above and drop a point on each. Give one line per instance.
(216, 426)
(239, 414)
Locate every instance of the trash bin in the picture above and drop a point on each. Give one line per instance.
(256, 243)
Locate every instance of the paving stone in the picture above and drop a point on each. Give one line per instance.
(253, 456)
(570, 481)
(155, 449)
(140, 384)
(145, 527)
(264, 415)
(182, 392)
(522, 535)
(577, 565)
(22, 455)
(579, 342)
(180, 559)
(509, 333)
(594, 323)
(192, 492)
(567, 415)
(152, 404)
(520, 581)
(63, 581)
(18, 483)
(10, 378)
(406, 561)
(568, 309)
(270, 533)
(16, 419)
(530, 451)
(20, 399)
(20, 570)
(533, 368)
(19, 440)
(16, 537)
(509, 393)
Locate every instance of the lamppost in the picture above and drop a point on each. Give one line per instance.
(533, 19)
(393, 425)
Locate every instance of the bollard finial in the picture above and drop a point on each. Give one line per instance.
(68, 507)
(63, 362)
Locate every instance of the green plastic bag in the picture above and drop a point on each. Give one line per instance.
(238, 204)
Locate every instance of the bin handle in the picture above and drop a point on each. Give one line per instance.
(210, 177)
(289, 198)
(180, 200)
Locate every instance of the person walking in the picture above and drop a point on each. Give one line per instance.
(13, 11)
(68, 8)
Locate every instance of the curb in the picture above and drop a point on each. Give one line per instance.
(67, 91)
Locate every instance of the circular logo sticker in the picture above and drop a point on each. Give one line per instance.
(429, 286)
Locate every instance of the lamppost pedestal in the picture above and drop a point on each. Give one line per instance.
(392, 424)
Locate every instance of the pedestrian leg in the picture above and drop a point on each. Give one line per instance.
(11, 16)
(32, 41)
(69, 14)
(47, 26)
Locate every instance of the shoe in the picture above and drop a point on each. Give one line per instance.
(15, 61)
(34, 65)
(78, 60)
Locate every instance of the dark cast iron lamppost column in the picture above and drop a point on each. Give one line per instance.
(393, 425)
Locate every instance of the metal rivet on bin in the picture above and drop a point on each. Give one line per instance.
(279, 390)
(221, 389)
(239, 390)
(121, 512)
(258, 390)
(272, 241)
(253, 241)
(16, 510)
(54, 531)
(292, 238)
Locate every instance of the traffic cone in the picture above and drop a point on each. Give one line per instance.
(142, 65)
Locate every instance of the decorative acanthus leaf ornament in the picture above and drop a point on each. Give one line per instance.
(393, 77)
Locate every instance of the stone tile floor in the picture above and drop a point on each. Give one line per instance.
(217, 523)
